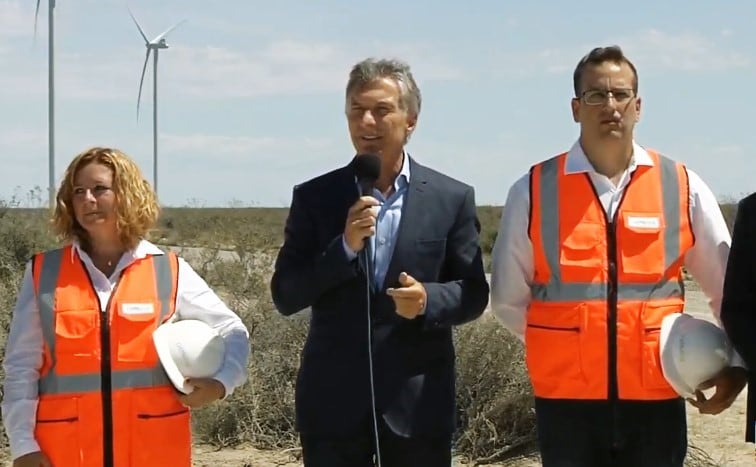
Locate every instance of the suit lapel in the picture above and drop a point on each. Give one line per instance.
(413, 209)
(345, 192)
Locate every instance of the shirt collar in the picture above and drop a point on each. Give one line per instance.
(141, 251)
(402, 180)
(577, 161)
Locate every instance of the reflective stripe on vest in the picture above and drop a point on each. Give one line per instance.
(52, 383)
(558, 291)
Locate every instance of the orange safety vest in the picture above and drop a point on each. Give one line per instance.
(602, 286)
(104, 399)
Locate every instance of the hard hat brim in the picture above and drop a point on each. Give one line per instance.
(161, 340)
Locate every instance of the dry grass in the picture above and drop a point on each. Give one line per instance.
(496, 419)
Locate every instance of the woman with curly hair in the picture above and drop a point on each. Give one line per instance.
(83, 382)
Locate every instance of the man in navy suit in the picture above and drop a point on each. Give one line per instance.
(739, 301)
(427, 277)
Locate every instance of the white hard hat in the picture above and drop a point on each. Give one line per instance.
(693, 351)
(188, 349)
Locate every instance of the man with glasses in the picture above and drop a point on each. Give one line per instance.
(588, 261)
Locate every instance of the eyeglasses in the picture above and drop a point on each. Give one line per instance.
(601, 96)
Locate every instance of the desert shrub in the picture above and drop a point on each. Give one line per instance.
(494, 397)
(489, 217)
(23, 232)
(262, 411)
(728, 211)
(252, 228)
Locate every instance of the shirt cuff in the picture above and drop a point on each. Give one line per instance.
(22, 447)
(350, 253)
(226, 378)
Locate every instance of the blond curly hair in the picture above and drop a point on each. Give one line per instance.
(136, 204)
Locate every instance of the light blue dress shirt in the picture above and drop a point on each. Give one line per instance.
(387, 225)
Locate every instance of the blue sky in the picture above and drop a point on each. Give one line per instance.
(251, 93)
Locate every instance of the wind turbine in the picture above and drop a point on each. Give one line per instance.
(50, 95)
(152, 45)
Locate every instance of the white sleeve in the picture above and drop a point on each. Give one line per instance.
(196, 300)
(23, 360)
(512, 266)
(707, 259)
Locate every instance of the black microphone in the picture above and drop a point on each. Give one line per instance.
(367, 168)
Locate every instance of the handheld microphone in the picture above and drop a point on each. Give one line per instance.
(367, 169)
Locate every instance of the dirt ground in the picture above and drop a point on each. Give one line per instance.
(720, 436)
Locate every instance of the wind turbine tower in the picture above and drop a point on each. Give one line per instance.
(50, 95)
(153, 45)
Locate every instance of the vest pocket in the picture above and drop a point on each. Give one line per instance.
(553, 339)
(652, 315)
(134, 334)
(580, 246)
(653, 378)
(76, 338)
(641, 244)
(57, 430)
(161, 430)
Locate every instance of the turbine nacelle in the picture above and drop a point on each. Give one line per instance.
(161, 44)
(155, 44)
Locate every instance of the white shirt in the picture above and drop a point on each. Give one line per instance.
(23, 355)
(512, 266)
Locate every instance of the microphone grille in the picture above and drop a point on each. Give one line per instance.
(367, 167)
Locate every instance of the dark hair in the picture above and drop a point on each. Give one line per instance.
(598, 56)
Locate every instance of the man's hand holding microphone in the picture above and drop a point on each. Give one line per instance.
(410, 296)
(361, 221)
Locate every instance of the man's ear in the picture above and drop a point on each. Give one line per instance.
(575, 104)
(411, 123)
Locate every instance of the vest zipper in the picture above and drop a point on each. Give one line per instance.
(611, 237)
(106, 386)
(611, 300)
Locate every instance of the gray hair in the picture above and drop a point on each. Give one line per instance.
(371, 69)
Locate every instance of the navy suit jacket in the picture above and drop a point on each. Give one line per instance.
(739, 298)
(413, 360)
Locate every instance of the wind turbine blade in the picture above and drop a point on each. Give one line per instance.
(161, 36)
(144, 36)
(141, 80)
(36, 15)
